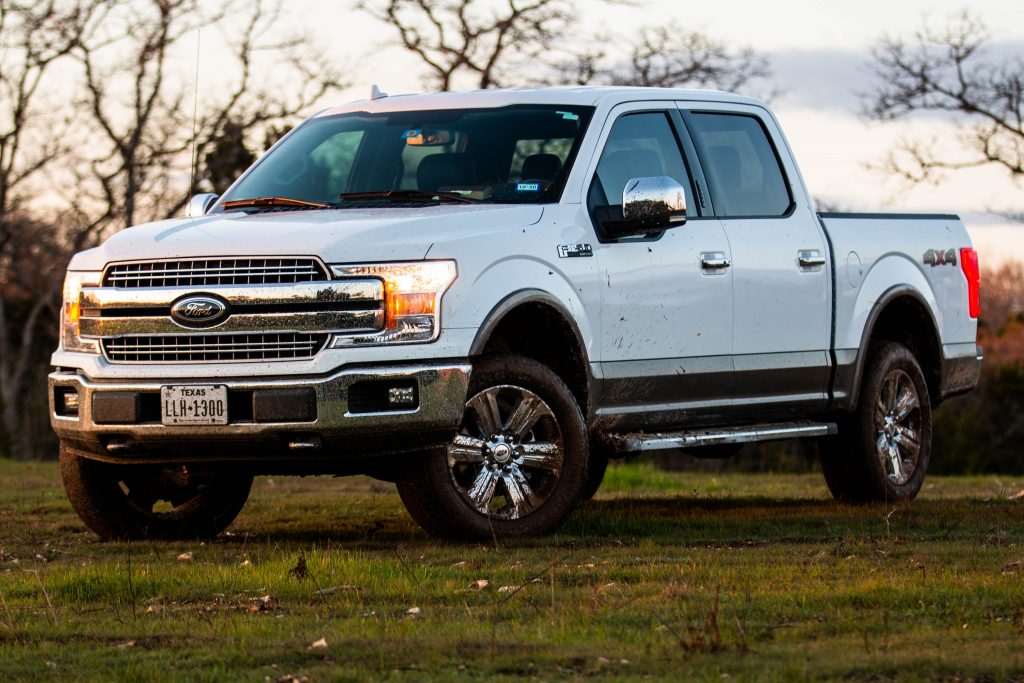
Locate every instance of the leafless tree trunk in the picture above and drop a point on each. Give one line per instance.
(946, 71)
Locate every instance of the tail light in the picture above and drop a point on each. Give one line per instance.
(969, 263)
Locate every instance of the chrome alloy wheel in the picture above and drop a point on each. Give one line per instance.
(898, 426)
(508, 455)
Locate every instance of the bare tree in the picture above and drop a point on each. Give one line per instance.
(488, 41)
(149, 133)
(946, 71)
(482, 39)
(34, 36)
(670, 56)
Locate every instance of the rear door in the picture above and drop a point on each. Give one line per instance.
(666, 314)
(780, 268)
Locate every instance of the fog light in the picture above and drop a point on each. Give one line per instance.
(402, 396)
(69, 402)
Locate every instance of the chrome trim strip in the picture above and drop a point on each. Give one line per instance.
(345, 322)
(727, 435)
(335, 291)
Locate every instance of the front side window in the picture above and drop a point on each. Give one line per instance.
(740, 164)
(640, 145)
(517, 154)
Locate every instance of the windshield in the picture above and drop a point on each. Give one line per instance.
(517, 154)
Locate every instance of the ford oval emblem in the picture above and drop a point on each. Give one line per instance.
(199, 311)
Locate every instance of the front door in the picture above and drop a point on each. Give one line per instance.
(666, 300)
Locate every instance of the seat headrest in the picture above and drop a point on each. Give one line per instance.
(541, 167)
(725, 163)
(445, 170)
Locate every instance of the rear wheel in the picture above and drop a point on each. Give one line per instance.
(152, 501)
(516, 466)
(883, 449)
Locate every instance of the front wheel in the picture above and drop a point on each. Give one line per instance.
(121, 502)
(883, 449)
(516, 466)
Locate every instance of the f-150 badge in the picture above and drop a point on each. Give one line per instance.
(574, 250)
(937, 257)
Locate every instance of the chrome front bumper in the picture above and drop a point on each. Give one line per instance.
(332, 427)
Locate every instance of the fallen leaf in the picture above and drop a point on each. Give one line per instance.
(480, 585)
(245, 563)
(125, 645)
(319, 644)
(185, 557)
(507, 589)
(414, 611)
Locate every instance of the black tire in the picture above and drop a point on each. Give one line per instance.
(883, 448)
(500, 479)
(120, 502)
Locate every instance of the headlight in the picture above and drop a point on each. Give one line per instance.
(71, 312)
(412, 300)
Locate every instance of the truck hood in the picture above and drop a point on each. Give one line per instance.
(336, 236)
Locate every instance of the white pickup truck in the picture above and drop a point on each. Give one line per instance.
(483, 296)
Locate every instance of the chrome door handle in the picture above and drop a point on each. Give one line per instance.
(714, 260)
(810, 258)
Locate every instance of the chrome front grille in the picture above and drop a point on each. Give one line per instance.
(273, 309)
(206, 348)
(208, 272)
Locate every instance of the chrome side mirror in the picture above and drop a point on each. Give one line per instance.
(200, 204)
(656, 202)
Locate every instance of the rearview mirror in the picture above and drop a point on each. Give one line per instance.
(200, 204)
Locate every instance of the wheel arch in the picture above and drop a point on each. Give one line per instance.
(534, 309)
(902, 315)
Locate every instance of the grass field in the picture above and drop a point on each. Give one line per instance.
(663, 575)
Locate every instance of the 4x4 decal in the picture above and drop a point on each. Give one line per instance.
(938, 257)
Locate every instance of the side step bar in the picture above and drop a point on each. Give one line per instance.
(724, 435)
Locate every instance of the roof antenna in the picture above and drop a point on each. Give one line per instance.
(195, 115)
(376, 93)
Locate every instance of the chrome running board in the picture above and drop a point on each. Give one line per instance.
(723, 435)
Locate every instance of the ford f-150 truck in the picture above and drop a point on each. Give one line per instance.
(483, 296)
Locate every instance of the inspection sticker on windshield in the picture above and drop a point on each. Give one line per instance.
(575, 250)
(527, 187)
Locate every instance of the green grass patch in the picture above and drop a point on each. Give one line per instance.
(683, 576)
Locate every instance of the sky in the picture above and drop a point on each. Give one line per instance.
(819, 54)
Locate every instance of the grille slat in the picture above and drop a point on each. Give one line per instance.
(207, 272)
(200, 348)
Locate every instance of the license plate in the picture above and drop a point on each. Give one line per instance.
(194, 405)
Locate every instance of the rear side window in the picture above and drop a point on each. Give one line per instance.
(741, 166)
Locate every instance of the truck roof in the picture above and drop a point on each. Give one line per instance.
(564, 95)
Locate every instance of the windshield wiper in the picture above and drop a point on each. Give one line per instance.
(406, 196)
(272, 202)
